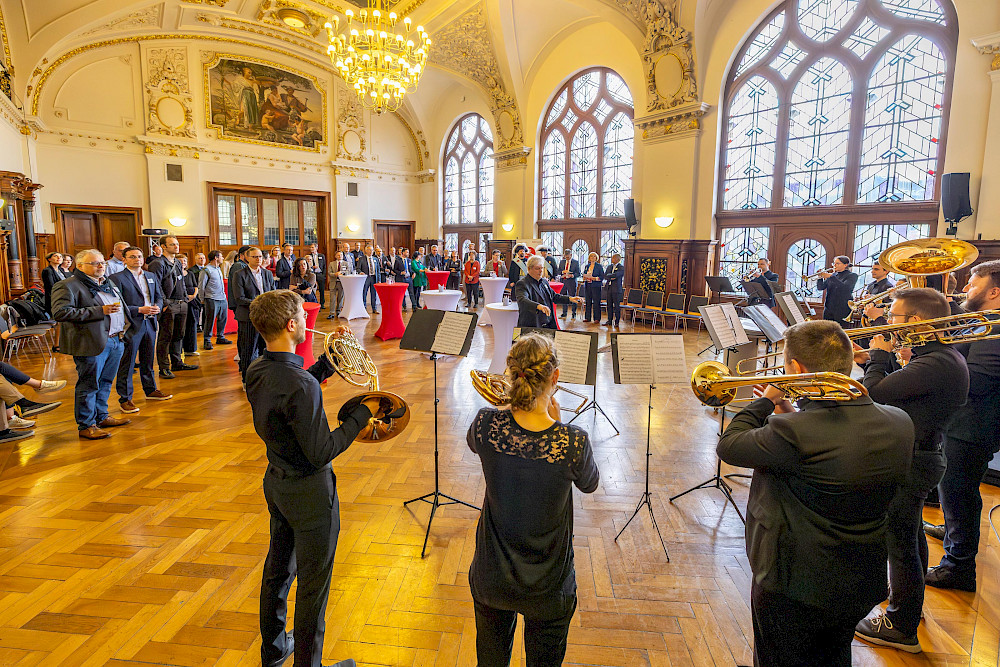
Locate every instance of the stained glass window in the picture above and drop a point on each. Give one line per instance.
(741, 248)
(292, 221)
(580, 252)
(810, 57)
(871, 240)
(226, 212)
(612, 241)
(805, 258)
(554, 242)
(469, 172)
(248, 220)
(450, 242)
(585, 167)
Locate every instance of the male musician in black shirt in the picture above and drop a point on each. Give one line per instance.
(839, 288)
(970, 442)
(816, 516)
(764, 276)
(931, 388)
(299, 484)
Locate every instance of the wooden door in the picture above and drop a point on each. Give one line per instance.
(117, 227)
(394, 235)
(81, 232)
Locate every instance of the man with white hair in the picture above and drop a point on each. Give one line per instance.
(536, 299)
(93, 326)
(117, 262)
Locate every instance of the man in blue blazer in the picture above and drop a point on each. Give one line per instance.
(143, 300)
(614, 278)
(246, 285)
(283, 271)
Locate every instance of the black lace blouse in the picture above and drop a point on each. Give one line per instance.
(524, 543)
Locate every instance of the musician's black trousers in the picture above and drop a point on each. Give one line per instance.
(788, 633)
(305, 523)
(249, 345)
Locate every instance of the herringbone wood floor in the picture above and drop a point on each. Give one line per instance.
(146, 548)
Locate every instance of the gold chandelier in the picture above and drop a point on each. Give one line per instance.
(378, 54)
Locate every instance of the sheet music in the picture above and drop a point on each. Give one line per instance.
(634, 354)
(720, 324)
(574, 356)
(793, 308)
(669, 362)
(451, 333)
(734, 321)
(773, 319)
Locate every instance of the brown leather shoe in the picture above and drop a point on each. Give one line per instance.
(158, 395)
(128, 407)
(93, 433)
(114, 421)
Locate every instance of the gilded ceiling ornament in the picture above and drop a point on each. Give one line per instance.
(169, 102)
(270, 13)
(5, 45)
(143, 18)
(668, 59)
(217, 3)
(352, 135)
(464, 46)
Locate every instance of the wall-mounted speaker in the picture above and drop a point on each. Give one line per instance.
(155, 232)
(175, 172)
(352, 189)
(631, 220)
(955, 201)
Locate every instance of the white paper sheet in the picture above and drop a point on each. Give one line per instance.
(451, 333)
(574, 356)
(651, 359)
(716, 317)
(793, 308)
(669, 361)
(734, 321)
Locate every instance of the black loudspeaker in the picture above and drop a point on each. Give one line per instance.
(155, 232)
(955, 202)
(630, 218)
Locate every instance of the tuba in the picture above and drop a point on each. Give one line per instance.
(715, 385)
(353, 363)
(920, 258)
(495, 388)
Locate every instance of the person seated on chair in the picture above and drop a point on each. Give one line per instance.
(816, 516)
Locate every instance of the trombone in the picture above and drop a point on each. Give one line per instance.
(351, 361)
(858, 307)
(495, 388)
(715, 385)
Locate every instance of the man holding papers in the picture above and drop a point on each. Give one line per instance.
(535, 298)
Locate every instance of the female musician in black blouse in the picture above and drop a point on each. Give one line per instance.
(524, 544)
(839, 288)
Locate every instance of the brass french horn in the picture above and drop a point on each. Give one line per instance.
(353, 363)
(495, 388)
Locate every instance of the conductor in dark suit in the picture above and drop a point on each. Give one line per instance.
(92, 326)
(569, 273)
(614, 280)
(247, 284)
(839, 288)
(535, 298)
(823, 480)
(283, 269)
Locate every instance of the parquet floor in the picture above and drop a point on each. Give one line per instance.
(146, 548)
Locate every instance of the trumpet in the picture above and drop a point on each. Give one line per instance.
(495, 388)
(814, 275)
(858, 307)
(353, 363)
(715, 385)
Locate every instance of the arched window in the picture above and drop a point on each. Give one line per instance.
(468, 173)
(835, 116)
(585, 166)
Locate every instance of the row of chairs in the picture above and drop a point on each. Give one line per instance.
(657, 305)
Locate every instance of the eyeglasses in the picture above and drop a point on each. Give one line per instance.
(95, 263)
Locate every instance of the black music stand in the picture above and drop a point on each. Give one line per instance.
(720, 284)
(756, 292)
(421, 335)
(789, 304)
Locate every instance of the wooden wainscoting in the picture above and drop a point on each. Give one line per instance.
(672, 266)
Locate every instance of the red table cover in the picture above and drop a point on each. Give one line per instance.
(305, 349)
(391, 296)
(231, 325)
(435, 278)
(556, 287)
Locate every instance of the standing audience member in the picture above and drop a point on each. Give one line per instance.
(247, 285)
(593, 278)
(816, 519)
(338, 268)
(930, 388)
(839, 288)
(551, 269)
(318, 266)
(52, 274)
(283, 269)
(271, 261)
(536, 299)
(569, 272)
(358, 254)
(496, 266)
(228, 262)
(116, 263)
(453, 265)
(67, 263)
(518, 269)
(388, 261)
(93, 326)
(970, 443)
(170, 274)
(350, 258)
(402, 270)
(523, 563)
(142, 299)
(470, 278)
(213, 292)
(614, 278)
(190, 342)
(434, 262)
(303, 280)
(419, 277)
(370, 266)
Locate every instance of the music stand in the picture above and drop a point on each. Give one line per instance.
(648, 359)
(756, 291)
(720, 284)
(438, 332)
(767, 322)
(791, 307)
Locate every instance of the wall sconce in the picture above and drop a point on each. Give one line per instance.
(507, 227)
(3, 202)
(664, 222)
(178, 222)
(353, 226)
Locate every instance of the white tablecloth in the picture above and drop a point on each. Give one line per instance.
(441, 299)
(354, 299)
(503, 319)
(492, 293)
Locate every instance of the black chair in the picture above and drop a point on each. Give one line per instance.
(674, 307)
(654, 305)
(692, 313)
(633, 302)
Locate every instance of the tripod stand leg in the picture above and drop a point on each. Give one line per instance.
(427, 535)
(652, 518)
(707, 484)
(634, 515)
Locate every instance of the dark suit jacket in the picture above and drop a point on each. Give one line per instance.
(839, 290)
(320, 271)
(574, 271)
(614, 278)
(237, 265)
(399, 268)
(531, 293)
(283, 271)
(594, 287)
(977, 421)
(49, 278)
(434, 262)
(244, 289)
(823, 480)
(514, 272)
(365, 269)
(83, 328)
(132, 295)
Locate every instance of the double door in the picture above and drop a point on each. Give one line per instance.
(90, 228)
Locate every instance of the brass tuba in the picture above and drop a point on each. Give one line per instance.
(715, 385)
(495, 388)
(353, 363)
(920, 258)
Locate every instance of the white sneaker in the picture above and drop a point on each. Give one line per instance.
(51, 385)
(20, 423)
(195, 353)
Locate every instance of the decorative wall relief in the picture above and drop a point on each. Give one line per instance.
(143, 18)
(464, 46)
(352, 135)
(169, 102)
(260, 102)
(668, 59)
